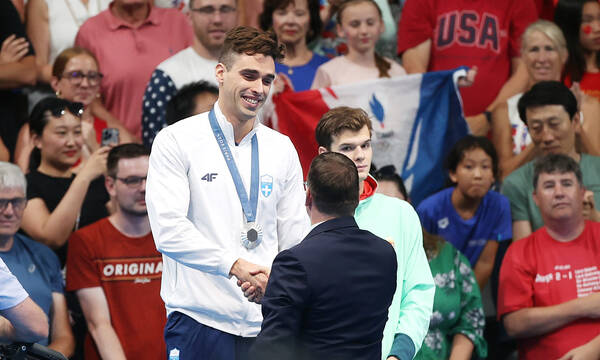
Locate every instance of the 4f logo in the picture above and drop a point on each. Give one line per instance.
(209, 177)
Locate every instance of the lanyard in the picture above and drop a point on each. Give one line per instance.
(248, 205)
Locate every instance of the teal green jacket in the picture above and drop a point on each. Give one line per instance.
(396, 221)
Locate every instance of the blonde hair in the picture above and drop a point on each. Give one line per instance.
(552, 32)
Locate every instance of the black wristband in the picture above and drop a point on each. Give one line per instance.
(488, 116)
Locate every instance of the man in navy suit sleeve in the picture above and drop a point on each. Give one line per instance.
(328, 297)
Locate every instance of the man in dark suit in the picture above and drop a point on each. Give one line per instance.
(328, 297)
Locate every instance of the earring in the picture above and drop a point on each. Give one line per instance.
(57, 93)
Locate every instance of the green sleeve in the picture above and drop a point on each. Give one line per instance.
(418, 288)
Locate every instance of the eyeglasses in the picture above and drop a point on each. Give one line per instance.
(76, 77)
(18, 204)
(211, 10)
(74, 108)
(132, 181)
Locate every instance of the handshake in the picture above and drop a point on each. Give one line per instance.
(251, 278)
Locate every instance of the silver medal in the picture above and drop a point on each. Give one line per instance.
(251, 235)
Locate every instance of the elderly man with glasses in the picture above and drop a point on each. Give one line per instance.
(35, 266)
(115, 270)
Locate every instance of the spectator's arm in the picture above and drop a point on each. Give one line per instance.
(23, 148)
(535, 321)
(589, 350)
(590, 128)
(19, 73)
(53, 228)
(503, 141)
(97, 316)
(416, 60)
(61, 336)
(521, 229)
(462, 348)
(25, 321)
(4, 154)
(517, 83)
(485, 264)
(321, 79)
(38, 32)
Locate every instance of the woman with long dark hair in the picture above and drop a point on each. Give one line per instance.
(58, 200)
(579, 21)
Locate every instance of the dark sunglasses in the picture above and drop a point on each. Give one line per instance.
(75, 108)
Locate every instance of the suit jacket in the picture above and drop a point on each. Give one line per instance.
(328, 297)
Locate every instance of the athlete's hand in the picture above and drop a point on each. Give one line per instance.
(252, 279)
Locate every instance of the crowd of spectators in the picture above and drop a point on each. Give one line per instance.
(73, 224)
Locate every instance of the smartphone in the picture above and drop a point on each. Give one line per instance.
(110, 136)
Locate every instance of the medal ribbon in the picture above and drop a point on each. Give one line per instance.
(249, 206)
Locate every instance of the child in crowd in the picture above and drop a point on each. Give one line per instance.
(360, 24)
(457, 321)
(469, 215)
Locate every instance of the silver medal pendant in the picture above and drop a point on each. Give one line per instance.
(251, 235)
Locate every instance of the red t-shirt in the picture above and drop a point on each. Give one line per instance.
(539, 271)
(482, 33)
(99, 125)
(545, 8)
(589, 84)
(129, 271)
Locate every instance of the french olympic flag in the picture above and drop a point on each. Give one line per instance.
(416, 119)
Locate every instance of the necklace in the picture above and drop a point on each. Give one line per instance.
(87, 11)
(290, 70)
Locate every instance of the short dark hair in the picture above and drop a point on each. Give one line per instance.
(470, 142)
(333, 184)
(338, 119)
(123, 151)
(388, 173)
(547, 93)
(315, 24)
(556, 163)
(250, 41)
(183, 103)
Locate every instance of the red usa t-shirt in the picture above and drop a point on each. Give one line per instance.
(482, 33)
(129, 271)
(539, 271)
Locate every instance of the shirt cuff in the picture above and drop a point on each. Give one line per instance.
(403, 347)
(227, 262)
